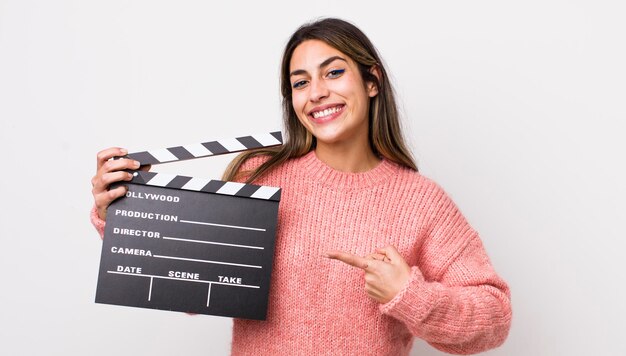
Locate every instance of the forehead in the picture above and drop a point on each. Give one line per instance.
(309, 54)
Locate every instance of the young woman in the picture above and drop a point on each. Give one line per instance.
(369, 253)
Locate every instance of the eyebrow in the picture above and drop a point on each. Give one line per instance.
(322, 65)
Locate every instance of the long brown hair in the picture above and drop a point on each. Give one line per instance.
(385, 136)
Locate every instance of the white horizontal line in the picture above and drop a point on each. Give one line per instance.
(211, 242)
(222, 225)
(206, 261)
(183, 279)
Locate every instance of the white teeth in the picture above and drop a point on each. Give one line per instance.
(326, 112)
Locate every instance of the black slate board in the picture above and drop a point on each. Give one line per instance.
(205, 236)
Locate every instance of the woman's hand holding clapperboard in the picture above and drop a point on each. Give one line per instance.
(112, 171)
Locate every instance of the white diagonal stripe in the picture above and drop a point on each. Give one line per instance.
(196, 183)
(161, 179)
(230, 188)
(266, 139)
(264, 192)
(232, 144)
(198, 150)
(163, 155)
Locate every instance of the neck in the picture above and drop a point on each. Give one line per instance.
(347, 157)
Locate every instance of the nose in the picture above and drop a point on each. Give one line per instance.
(318, 90)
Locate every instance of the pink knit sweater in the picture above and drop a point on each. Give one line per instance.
(454, 300)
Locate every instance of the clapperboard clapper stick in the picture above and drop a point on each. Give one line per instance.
(191, 244)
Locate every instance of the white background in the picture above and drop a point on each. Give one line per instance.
(516, 108)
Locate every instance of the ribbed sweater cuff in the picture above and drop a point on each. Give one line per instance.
(97, 222)
(414, 302)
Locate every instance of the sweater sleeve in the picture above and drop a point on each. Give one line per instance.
(454, 299)
(97, 222)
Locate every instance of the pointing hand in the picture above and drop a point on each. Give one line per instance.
(386, 272)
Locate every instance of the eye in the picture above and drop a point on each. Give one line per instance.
(299, 84)
(335, 73)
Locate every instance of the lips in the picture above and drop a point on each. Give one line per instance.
(326, 113)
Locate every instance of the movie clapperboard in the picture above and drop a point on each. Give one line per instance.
(191, 244)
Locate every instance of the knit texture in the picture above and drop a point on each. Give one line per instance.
(454, 300)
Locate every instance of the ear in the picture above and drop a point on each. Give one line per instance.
(372, 88)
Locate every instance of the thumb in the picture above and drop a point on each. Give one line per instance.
(391, 253)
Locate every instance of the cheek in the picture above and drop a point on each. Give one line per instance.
(298, 101)
(343, 88)
(298, 108)
(351, 89)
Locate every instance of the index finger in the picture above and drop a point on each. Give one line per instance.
(109, 153)
(352, 260)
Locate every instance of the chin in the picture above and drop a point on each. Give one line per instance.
(329, 139)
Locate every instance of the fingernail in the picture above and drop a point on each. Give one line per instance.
(124, 151)
(136, 164)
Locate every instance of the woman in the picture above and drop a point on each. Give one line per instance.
(401, 261)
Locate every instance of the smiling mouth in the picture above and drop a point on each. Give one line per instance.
(326, 113)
